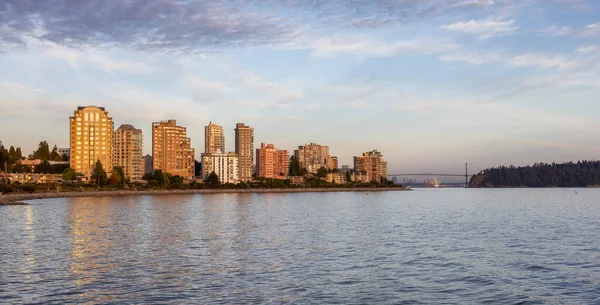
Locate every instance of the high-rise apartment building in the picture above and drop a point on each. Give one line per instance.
(214, 138)
(171, 149)
(332, 163)
(127, 152)
(271, 162)
(244, 148)
(312, 157)
(91, 139)
(225, 165)
(372, 164)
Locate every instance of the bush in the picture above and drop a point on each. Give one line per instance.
(6, 189)
(29, 188)
(153, 182)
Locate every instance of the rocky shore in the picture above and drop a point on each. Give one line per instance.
(19, 197)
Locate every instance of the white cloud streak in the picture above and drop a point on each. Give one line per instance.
(485, 28)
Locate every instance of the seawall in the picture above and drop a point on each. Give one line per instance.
(20, 197)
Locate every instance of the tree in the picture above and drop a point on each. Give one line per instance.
(348, 177)
(147, 176)
(98, 174)
(20, 168)
(54, 155)
(178, 180)
(43, 168)
(295, 168)
(159, 176)
(322, 172)
(115, 177)
(69, 174)
(121, 173)
(43, 151)
(213, 179)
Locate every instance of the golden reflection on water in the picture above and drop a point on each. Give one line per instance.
(90, 222)
(29, 241)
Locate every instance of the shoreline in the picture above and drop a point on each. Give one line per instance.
(14, 198)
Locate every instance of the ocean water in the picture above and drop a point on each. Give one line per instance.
(442, 246)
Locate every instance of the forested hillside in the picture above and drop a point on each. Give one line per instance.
(571, 174)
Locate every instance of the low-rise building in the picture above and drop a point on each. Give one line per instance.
(337, 178)
(35, 178)
(296, 180)
(35, 162)
(225, 165)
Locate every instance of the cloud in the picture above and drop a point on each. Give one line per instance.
(484, 29)
(519, 60)
(474, 3)
(588, 49)
(199, 26)
(281, 93)
(555, 30)
(591, 30)
(111, 65)
(329, 46)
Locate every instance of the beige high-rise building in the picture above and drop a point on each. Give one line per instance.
(91, 139)
(128, 152)
(244, 148)
(214, 138)
(332, 163)
(372, 164)
(272, 162)
(312, 157)
(171, 149)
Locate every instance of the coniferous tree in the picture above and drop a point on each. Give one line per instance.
(98, 174)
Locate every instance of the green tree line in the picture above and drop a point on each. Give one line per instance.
(570, 174)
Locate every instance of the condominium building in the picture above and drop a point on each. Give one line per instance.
(65, 152)
(171, 149)
(128, 152)
(332, 163)
(225, 165)
(271, 162)
(214, 138)
(372, 164)
(91, 138)
(312, 157)
(244, 148)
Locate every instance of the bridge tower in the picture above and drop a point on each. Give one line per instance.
(466, 175)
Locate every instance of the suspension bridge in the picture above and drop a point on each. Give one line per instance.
(444, 173)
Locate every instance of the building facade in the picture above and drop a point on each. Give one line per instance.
(171, 149)
(372, 164)
(214, 138)
(127, 152)
(244, 148)
(65, 152)
(332, 163)
(91, 139)
(225, 165)
(312, 157)
(337, 178)
(272, 162)
(147, 164)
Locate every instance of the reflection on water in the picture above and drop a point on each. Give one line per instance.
(432, 246)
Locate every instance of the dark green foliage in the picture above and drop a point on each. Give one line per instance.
(28, 188)
(54, 155)
(213, 179)
(295, 168)
(348, 177)
(322, 172)
(147, 176)
(59, 168)
(43, 168)
(153, 182)
(43, 151)
(571, 174)
(178, 180)
(98, 174)
(20, 168)
(69, 174)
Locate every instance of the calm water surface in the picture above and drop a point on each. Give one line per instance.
(452, 246)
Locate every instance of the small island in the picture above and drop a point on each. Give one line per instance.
(569, 174)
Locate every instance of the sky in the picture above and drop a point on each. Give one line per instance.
(431, 84)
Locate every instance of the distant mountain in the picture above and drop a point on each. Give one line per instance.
(571, 174)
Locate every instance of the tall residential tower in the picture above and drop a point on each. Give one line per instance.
(214, 138)
(91, 139)
(171, 149)
(244, 148)
(128, 151)
(372, 164)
